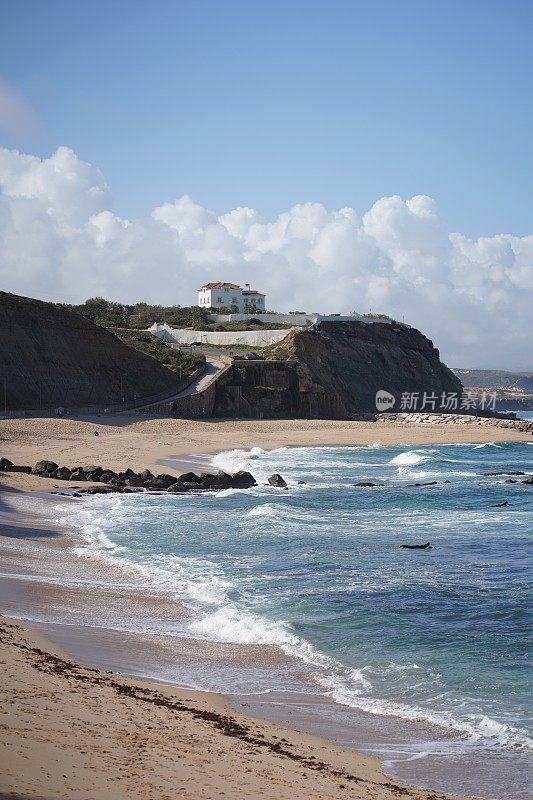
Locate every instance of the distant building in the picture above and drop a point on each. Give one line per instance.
(226, 295)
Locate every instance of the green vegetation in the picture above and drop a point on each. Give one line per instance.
(140, 316)
(248, 325)
(109, 314)
(183, 363)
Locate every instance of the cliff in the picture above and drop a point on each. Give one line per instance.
(50, 356)
(334, 371)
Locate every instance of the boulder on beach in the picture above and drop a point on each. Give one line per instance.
(135, 481)
(42, 467)
(78, 474)
(5, 462)
(178, 488)
(277, 480)
(146, 475)
(92, 473)
(17, 468)
(63, 474)
(190, 478)
(106, 475)
(162, 481)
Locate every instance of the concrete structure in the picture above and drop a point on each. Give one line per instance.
(226, 295)
(302, 319)
(261, 338)
(290, 319)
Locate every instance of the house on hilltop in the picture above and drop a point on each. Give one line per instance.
(228, 295)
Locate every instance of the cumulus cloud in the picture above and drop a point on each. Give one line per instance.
(61, 240)
(16, 117)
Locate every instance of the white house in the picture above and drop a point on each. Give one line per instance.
(226, 295)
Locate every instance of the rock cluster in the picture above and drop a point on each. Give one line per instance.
(522, 425)
(129, 480)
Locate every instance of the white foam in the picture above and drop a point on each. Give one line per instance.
(412, 457)
(487, 444)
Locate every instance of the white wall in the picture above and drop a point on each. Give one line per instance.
(226, 338)
(291, 319)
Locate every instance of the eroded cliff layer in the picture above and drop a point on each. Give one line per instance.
(334, 372)
(50, 356)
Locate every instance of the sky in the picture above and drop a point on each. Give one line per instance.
(339, 155)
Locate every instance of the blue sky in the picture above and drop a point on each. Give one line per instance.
(275, 103)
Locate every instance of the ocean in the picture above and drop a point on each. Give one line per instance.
(438, 640)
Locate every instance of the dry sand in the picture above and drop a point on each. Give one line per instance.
(78, 733)
(130, 442)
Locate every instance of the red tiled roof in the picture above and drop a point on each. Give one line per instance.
(219, 285)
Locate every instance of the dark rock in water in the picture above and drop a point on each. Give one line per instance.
(218, 482)
(17, 468)
(63, 474)
(116, 482)
(178, 488)
(78, 474)
(162, 481)
(426, 546)
(106, 475)
(277, 480)
(5, 462)
(302, 483)
(242, 480)
(511, 480)
(447, 481)
(501, 505)
(528, 480)
(190, 478)
(504, 472)
(367, 484)
(98, 490)
(429, 483)
(135, 481)
(44, 466)
(146, 475)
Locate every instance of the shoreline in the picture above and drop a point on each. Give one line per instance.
(72, 731)
(27, 485)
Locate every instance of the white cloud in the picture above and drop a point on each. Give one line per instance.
(60, 240)
(16, 117)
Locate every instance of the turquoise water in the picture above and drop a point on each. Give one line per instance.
(441, 636)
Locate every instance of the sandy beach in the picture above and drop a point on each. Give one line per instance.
(129, 442)
(70, 731)
(73, 732)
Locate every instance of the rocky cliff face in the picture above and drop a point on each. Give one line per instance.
(342, 365)
(50, 356)
(334, 372)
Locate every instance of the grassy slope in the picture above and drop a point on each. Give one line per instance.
(173, 359)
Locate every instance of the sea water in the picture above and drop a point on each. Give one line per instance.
(439, 636)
